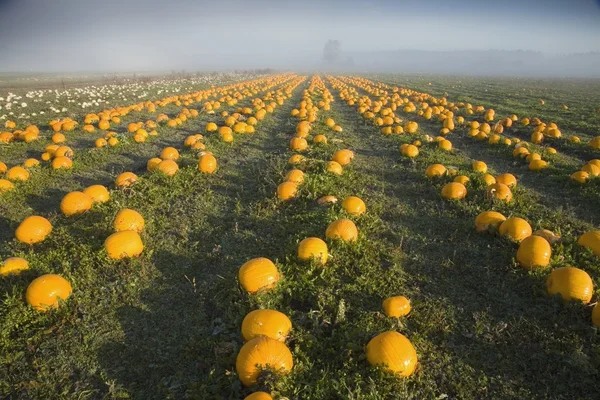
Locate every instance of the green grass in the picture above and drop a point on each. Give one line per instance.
(167, 325)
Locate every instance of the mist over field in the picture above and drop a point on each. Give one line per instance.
(529, 38)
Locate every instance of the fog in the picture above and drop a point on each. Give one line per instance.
(537, 38)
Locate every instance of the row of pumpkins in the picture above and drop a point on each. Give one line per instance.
(535, 247)
(61, 156)
(265, 330)
(46, 291)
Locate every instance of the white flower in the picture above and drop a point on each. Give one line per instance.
(64, 109)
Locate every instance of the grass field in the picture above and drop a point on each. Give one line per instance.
(167, 324)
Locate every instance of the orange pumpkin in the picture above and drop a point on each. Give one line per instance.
(515, 228)
(313, 247)
(98, 193)
(571, 283)
(46, 291)
(270, 323)
(396, 306)
(394, 352)
(258, 274)
(343, 229)
(128, 220)
(207, 164)
(124, 244)
(260, 353)
(75, 203)
(33, 229)
(13, 266)
(534, 252)
(125, 180)
(287, 190)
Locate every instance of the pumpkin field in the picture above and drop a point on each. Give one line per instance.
(300, 236)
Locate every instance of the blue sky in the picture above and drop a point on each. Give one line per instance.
(172, 34)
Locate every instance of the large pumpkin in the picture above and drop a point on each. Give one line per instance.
(534, 252)
(394, 352)
(343, 229)
(33, 229)
(258, 274)
(270, 323)
(571, 283)
(261, 353)
(313, 247)
(45, 291)
(75, 203)
(124, 244)
(17, 174)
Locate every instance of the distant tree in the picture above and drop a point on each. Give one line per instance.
(332, 52)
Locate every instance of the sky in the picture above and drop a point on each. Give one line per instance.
(124, 35)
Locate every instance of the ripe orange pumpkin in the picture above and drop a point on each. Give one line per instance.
(313, 247)
(479, 166)
(45, 291)
(125, 180)
(296, 159)
(354, 205)
(343, 229)
(75, 203)
(259, 396)
(298, 144)
(287, 190)
(168, 167)
(591, 240)
(152, 164)
(343, 157)
(580, 176)
(394, 352)
(33, 229)
(499, 191)
(169, 153)
(128, 220)
(489, 220)
(17, 174)
(515, 228)
(98, 193)
(454, 191)
(270, 323)
(534, 252)
(435, 170)
(260, 353)
(507, 179)
(396, 306)
(13, 266)
(258, 274)
(334, 168)
(124, 244)
(207, 164)
(571, 283)
(62, 162)
(296, 176)
(6, 186)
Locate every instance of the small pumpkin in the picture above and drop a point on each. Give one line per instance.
(13, 266)
(128, 220)
(488, 220)
(46, 291)
(169, 153)
(168, 167)
(334, 168)
(98, 193)
(287, 190)
(515, 228)
(259, 396)
(396, 306)
(343, 229)
(313, 247)
(571, 283)
(435, 170)
(296, 176)
(327, 200)
(6, 186)
(260, 353)
(354, 205)
(124, 244)
(591, 240)
(479, 166)
(394, 352)
(17, 174)
(499, 191)
(207, 164)
(258, 274)
(550, 236)
(507, 179)
(454, 191)
(125, 180)
(270, 323)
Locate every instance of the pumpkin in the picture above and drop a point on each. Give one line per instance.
(124, 244)
(571, 283)
(46, 291)
(343, 229)
(591, 240)
(168, 167)
(125, 180)
(507, 179)
(596, 315)
(13, 266)
(454, 191)
(62, 162)
(327, 200)
(17, 174)
(550, 236)
(270, 323)
(488, 220)
(334, 168)
(6, 186)
(394, 352)
(33, 229)
(580, 176)
(298, 144)
(296, 159)
(3, 168)
(259, 396)
(354, 205)
(320, 139)
(410, 151)
(537, 165)
(313, 247)
(296, 176)
(31, 163)
(435, 170)
(479, 166)
(462, 179)
(499, 191)
(75, 203)
(534, 252)
(287, 190)
(489, 179)
(343, 157)
(98, 193)
(445, 145)
(396, 306)
(258, 274)
(211, 127)
(169, 153)
(207, 164)
(260, 353)
(128, 220)
(515, 228)
(152, 164)
(592, 169)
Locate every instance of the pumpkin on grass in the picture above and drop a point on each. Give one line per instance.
(46, 291)
(354, 205)
(128, 220)
(396, 306)
(17, 174)
(394, 352)
(489, 220)
(343, 229)
(98, 193)
(262, 353)
(591, 240)
(334, 168)
(287, 190)
(454, 191)
(571, 283)
(270, 323)
(258, 274)
(515, 228)
(124, 244)
(75, 203)
(33, 229)
(499, 191)
(168, 167)
(6, 186)
(125, 180)
(534, 252)
(259, 396)
(435, 170)
(13, 266)
(313, 247)
(207, 164)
